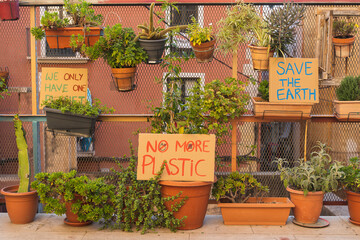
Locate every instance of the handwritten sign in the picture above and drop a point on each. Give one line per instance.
(68, 82)
(189, 157)
(293, 80)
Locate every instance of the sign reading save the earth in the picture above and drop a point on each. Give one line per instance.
(293, 80)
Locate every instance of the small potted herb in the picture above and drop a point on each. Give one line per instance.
(118, 48)
(152, 38)
(21, 201)
(347, 104)
(202, 41)
(351, 184)
(83, 200)
(72, 117)
(308, 180)
(343, 37)
(82, 26)
(242, 202)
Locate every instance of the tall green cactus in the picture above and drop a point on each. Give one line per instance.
(24, 166)
(152, 33)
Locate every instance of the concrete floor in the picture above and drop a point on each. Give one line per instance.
(49, 226)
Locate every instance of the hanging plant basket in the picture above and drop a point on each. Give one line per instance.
(260, 57)
(205, 51)
(343, 46)
(347, 110)
(9, 10)
(60, 38)
(154, 49)
(124, 78)
(69, 123)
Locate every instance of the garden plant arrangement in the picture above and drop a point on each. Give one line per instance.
(343, 37)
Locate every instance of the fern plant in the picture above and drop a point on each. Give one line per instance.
(319, 173)
(349, 89)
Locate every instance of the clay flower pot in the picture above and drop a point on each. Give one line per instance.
(72, 218)
(307, 208)
(343, 46)
(354, 206)
(195, 206)
(260, 57)
(205, 51)
(21, 207)
(124, 78)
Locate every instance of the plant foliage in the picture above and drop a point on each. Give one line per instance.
(319, 173)
(3, 88)
(344, 29)
(264, 90)
(351, 179)
(88, 109)
(238, 188)
(118, 48)
(199, 34)
(349, 89)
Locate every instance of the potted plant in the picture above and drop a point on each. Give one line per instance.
(343, 37)
(281, 26)
(351, 183)
(9, 10)
(81, 199)
(347, 104)
(260, 46)
(242, 202)
(118, 48)
(152, 39)
(275, 110)
(21, 201)
(308, 180)
(83, 25)
(202, 41)
(73, 117)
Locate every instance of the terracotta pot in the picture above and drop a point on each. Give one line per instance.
(343, 46)
(307, 208)
(124, 78)
(9, 10)
(274, 110)
(260, 57)
(21, 207)
(205, 51)
(195, 206)
(354, 206)
(271, 211)
(72, 218)
(60, 38)
(347, 110)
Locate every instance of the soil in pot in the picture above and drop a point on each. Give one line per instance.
(307, 208)
(205, 51)
(354, 206)
(124, 78)
(195, 206)
(343, 46)
(21, 207)
(154, 49)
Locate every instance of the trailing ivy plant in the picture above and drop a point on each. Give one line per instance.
(88, 109)
(238, 188)
(139, 204)
(349, 89)
(319, 173)
(281, 25)
(264, 90)
(118, 48)
(351, 179)
(54, 189)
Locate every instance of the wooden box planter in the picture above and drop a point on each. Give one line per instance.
(9, 10)
(71, 124)
(343, 46)
(60, 38)
(347, 110)
(272, 211)
(263, 109)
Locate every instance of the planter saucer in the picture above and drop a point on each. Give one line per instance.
(354, 222)
(321, 223)
(77, 224)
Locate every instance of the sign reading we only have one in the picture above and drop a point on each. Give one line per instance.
(189, 157)
(293, 80)
(71, 83)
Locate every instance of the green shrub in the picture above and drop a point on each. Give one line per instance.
(349, 89)
(264, 90)
(351, 179)
(344, 29)
(198, 34)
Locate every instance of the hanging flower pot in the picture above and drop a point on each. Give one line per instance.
(260, 57)
(154, 49)
(205, 51)
(9, 10)
(124, 78)
(343, 46)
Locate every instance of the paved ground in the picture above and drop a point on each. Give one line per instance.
(48, 226)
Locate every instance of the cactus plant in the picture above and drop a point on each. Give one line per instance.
(149, 32)
(24, 166)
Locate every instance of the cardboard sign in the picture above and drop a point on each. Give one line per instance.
(67, 82)
(189, 157)
(293, 80)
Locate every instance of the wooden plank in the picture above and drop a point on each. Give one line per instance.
(33, 64)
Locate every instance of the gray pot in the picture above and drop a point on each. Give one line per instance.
(154, 49)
